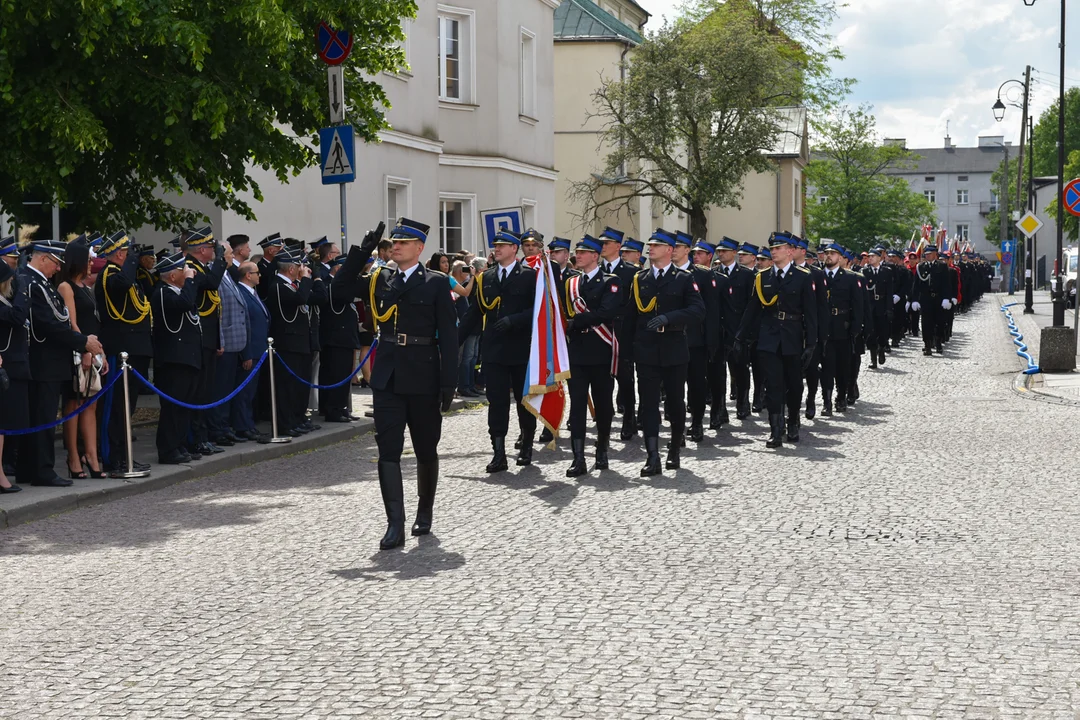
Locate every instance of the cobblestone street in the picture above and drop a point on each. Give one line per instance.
(916, 557)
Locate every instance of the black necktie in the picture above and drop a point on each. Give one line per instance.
(725, 271)
(779, 275)
(659, 273)
(503, 278)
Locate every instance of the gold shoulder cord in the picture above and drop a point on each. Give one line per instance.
(569, 303)
(485, 306)
(376, 318)
(212, 295)
(643, 309)
(761, 297)
(142, 307)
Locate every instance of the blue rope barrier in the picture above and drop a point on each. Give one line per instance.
(251, 376)
(1018, 341)
(74, 413)
(351, 375)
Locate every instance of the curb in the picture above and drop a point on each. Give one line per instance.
(162, 476)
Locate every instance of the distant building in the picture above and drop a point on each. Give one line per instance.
(956, 180)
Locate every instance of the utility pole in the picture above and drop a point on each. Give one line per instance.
(1029, 243)
(1003, 213)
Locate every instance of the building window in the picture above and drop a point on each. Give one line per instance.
(798, 198)
(611, 9)
(449, 58)
(993, 201)
(961, 178)
(528, 212)
(822, 199)
(963, 230)
(397, 200)
(451, 225)
(528, 74)
(928, 178)
(961, 197)
(931, 196)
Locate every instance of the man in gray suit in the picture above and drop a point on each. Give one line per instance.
(234, 338)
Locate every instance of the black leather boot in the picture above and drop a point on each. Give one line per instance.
(498, 459)
(394, 502)
(881, 355)
(579, 467)
(674, 447)
(718, 416)
(546, 437)
(524, 457)
(427, 478)
(873, 360)
(602, 440)
(652, 461)
(759, 401)
(742, 406)
(793, 428)
(629, 426)
(811, 407)
(697, 431)
(517, 443)
(776, 426)
(841, 402)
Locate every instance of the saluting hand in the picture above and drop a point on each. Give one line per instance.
(371, 240)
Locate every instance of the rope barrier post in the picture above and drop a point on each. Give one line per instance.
(273, 395)
(131, 471)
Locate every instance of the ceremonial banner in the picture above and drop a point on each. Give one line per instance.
(549, 362)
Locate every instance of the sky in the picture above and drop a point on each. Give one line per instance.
(928, 65)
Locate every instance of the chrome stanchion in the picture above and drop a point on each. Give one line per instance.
(273, 394)
(131, 471)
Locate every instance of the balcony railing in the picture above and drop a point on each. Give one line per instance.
(985, 208)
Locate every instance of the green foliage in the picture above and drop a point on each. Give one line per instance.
(695, 113)
(863, 205)
(111, 104)
(1046, 134)
(1071, 226)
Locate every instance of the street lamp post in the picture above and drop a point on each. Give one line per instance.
(1029, 243)
(1003, 198)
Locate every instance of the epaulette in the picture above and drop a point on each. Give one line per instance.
(702, 267)
(856, 273)
(805, 270)
(436, 272)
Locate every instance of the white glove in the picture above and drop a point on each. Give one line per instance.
(954, 301)
(916, 307)
(945, 304)
(907, 307)
(895, 299)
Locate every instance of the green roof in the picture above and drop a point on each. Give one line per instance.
(585, 20)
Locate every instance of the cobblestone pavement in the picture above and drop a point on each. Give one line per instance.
(915, 558)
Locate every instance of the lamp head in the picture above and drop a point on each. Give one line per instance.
(999, 110)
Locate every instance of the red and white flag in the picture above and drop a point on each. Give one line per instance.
(549, 361)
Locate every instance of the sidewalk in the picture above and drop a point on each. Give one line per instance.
(1063, 386)
(34, 503)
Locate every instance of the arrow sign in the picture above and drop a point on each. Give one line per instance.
(1071, 196)
(335, 82)
(337, 148)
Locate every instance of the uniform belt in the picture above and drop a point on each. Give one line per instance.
(840, 311)
(403, 340)
(670, 329)
(876, 296)
(788, 316)
(933, 294)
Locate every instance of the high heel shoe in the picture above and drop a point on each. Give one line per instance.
(94, 474)
(76, 475)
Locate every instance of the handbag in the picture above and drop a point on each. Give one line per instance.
(87, 381)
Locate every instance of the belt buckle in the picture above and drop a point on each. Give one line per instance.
(836, 311)
(661, 329)
(780, 315)
(401, 339)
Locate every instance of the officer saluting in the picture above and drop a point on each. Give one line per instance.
(664, 300)
(415, 374)
(271, 245)
(504, 305)
(782, 317)
(207, 258)
(592, 301)
(177, 354)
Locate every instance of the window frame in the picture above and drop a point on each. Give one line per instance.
(963, 231)
(527, 74)
(466, 77)
(397, 184)
(468, 221)
(966, 196)
(931, 196)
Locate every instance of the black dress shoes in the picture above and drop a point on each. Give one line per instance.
(12, 489)
(337, 419)
(54, 481)
(223, 441)
(176, 457)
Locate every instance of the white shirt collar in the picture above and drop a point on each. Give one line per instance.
(656, 270)
(613, 263)
(784, 269)
(684, 267)
(731, 268)
(507, 268)
(235, 262)
(38, 272)
(592, 274)
(408, 273)
(249, 289)
(286, 278)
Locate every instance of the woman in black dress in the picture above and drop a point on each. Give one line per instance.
(75, 288)
(14, 360)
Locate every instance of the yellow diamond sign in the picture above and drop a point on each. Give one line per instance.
(1029, 224)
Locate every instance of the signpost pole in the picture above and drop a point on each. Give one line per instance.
(334, 48)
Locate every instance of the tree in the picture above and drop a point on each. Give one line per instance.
(857, 202)
(1071, 226)
(110, 105)
(993, 218)
(1044, 142)
(694, 115)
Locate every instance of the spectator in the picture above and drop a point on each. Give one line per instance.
(441, 262)
(470, 347)
(14, 358)
(76, 290)
(234, 338)
(258, 322)
(241, 253)
(383, 249)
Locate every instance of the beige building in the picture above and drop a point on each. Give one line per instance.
(594, 40)
(472, 130)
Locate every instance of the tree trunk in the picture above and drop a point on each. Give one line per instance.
(699, 224)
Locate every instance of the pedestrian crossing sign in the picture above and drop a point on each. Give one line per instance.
(337, 147)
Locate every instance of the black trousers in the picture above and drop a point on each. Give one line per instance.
(718, 371)
(204, 394)
(913, 319)
(783, 382)
(596, 378)
(37, 452)
(673, 379)
(502, 381)
(117, 416)
(394, 412)
(900, 322)
(625, 377)
(301, 392)
(932, 329)
(879, 338)
(836, 368)
(335, 364)
(761, 380)
(813, 373)
(697, 381)
(289, 392)
(182, 383)
(740, 377)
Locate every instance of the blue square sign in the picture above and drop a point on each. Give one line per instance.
(337, 146)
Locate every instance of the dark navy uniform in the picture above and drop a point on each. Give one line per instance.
(177, 359)
(702, 340)
(287, 302)
(414, 374)
(932, 286)
(591, 305)
(879, 283)
(782, 318)
(207, 282)
(340, 335)
(901, 286)
(860, 338)
(846, 299)
(812, 373)
(124, 308)
(624, 329)
(504, 308)
(665, 302)
(15, 351)
(734, 286)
